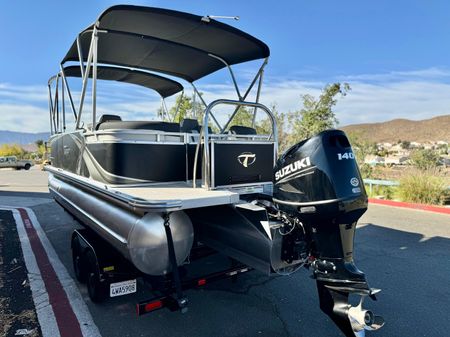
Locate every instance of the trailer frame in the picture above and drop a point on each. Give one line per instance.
(99, 264)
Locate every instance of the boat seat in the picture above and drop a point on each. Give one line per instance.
(190, 125)
(107, 118)
(140, 125)
(242, 130)
(210, 131)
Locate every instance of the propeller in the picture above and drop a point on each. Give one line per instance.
(353, 321)
(362, 320)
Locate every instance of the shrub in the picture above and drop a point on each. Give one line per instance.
(426, 187)
(424, 159)
(366, 170)
(378, 190)
(11, 150)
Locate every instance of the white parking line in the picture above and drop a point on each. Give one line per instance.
(44, 308)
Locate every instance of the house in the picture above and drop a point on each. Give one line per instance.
(373, 160)
(396, 160)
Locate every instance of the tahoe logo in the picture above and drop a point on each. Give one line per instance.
(293, 167)
(246, 158)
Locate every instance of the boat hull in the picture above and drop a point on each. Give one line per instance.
(141, 238)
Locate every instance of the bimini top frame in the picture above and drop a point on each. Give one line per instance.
(163, 86)
(165, 41)
(175, 43)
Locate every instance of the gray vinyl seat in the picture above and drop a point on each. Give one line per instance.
(107, 118)
(192, 126)
(139, 125)
(242, 130)
(189, 125)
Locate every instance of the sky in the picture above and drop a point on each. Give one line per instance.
(394, 54)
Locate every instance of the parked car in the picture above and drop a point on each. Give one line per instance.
(11, 161)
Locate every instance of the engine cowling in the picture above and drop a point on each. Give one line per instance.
(319, 178)
(317, 183)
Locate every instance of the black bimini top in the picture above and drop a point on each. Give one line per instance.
(167, 41)
(164, 86)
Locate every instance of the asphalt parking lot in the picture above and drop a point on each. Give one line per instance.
(404, 252)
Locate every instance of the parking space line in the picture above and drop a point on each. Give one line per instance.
(59, 305)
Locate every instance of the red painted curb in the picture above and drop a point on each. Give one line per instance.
(421, 207)
(66, 319)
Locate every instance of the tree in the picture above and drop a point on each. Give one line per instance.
(362, 148)
(244, 116)
(264, 126)
(183, 108)
(442, 149)
(11, 150)
(282, 120)
(424, 159)
(382, 152)
(405, 145)
(317, 113)
(40, 148)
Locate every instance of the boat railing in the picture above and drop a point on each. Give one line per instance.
(204, 136)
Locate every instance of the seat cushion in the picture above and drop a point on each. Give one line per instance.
(242, 130)
(107, 118)
(189, 125)
(140, 125)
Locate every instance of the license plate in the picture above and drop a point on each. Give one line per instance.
(122, 288)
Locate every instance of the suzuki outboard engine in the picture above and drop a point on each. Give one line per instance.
(318, 186)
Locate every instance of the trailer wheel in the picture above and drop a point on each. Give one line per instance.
(96, 289)
(79, 266)
(27, 166)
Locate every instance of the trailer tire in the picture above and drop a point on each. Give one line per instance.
(78, 260)
(96, 288)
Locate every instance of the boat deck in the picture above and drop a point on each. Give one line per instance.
(151, 197)
(188, 196)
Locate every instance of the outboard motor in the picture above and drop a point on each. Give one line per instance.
(318, 186)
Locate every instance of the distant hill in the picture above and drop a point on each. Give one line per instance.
(434, 129)
(22, 138)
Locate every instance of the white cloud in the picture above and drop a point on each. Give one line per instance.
(418, 94)
(432, 73)
(23, 108)
(415, 100)
(23, 117)
(12, 93)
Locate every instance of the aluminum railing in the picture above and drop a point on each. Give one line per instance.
(204, 135)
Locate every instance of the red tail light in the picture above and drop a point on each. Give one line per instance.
(153, 306)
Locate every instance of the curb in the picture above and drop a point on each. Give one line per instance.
(422, 207)
(60, 308)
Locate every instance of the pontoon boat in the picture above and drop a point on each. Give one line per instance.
(156, 193)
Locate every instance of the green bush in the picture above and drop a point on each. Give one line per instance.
(425, 187)
(366, 170)
(378, 190)
(11, 150)
(424, 159)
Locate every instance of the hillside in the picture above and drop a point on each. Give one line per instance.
(22, 138)
(434, 129)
